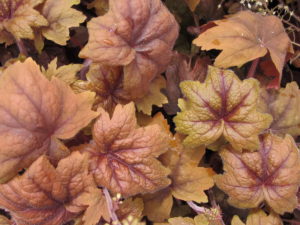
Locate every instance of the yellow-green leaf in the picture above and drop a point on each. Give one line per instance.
(221, 106)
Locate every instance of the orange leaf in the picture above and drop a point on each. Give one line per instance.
(123, 156)
(243, 37)
(18, 18)
(284, 106)
(138, 35)
(45, 195)
(34, 113)
(258, 217)
(272, 174)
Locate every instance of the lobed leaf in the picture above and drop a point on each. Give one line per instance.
(258, 217)
(34, 114)
(284, 106)
(45, 195)
(188, 181)
(243, 37)
(138, 35)
(61, 17)
(272, 174)
(123, 157)
(18, 18)
(221, 106)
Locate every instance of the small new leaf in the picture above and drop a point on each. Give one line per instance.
(221, 106)
(272, 174)
(123, 156)
(138, 35)
(284, 106)
(258, 217)
(34, 114)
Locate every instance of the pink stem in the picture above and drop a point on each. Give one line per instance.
(109, 203)
(253, 67)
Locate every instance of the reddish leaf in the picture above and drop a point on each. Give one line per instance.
(45, 195)
(34, 113)
(272, 174)
(136, 34)
(123, 156)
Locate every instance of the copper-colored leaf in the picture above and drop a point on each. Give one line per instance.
(130, 208)
(34, 112)
(284, 106)
(101, 6)
(243, 37)
(258, 217)
(153, 97)
(97, 207)
(45, 195)
(188, 180)
(4, 220)
(272, 174)
(107, 83)
(60, 16)
(179, 70)
(123, 156)
(18, 18)
(138, 35)
(221, 106)
(67, 73)
(192, 4)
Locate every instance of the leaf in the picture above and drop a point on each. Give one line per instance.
(66, 73)
(34, 113)
(153, 97)
(221, 106)
(188, 180)
(97, 208)
(198, 220)
(123, 157)
(158, 205)
(243, 37)
(258, 217)
(107, 83)
(272, 174)
(18, 18)
(138, 35)
(45, 195)
(61, 17)
(284, 106)
(180, 69)
(130, 208)
(192, 4)
(4, 220)
(101, 6)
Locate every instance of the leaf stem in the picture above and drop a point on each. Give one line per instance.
(21, 47)
(253, 67)
(196, 208)
(85, 68)
(112, 212)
